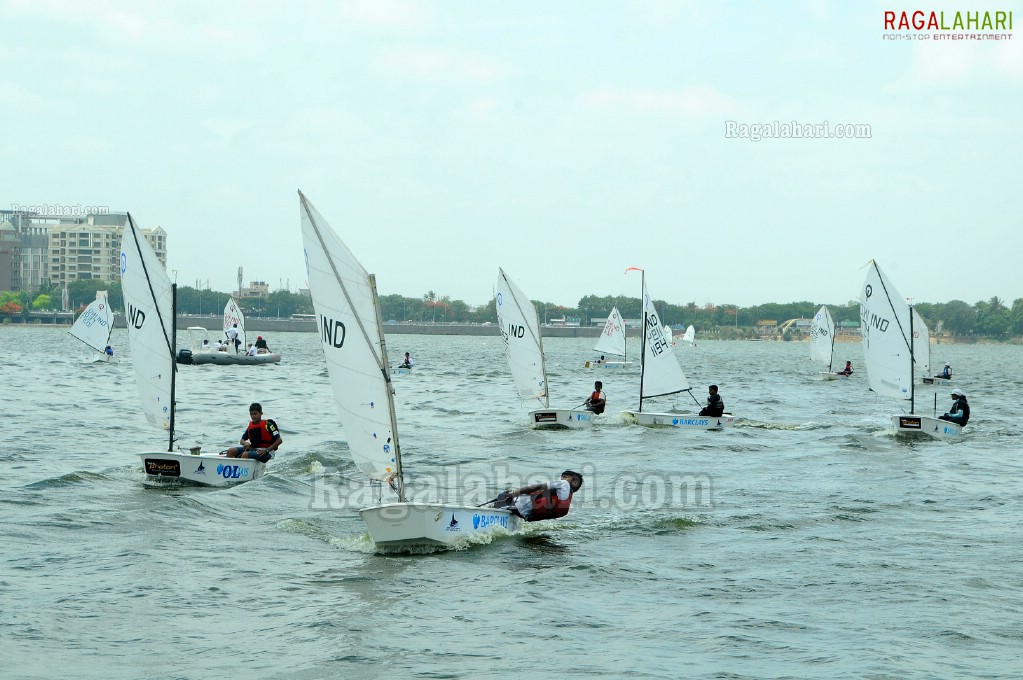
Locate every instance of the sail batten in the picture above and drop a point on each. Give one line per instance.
(348, 320)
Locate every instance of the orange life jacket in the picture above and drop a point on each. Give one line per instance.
(261, 434)
(547, 505)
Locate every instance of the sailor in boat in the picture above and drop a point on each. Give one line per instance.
(261, 346)
(715, 405)
(205, 345)
(108, 350)
(251, 350)
(597, 400)
(960, 411)
(601, 361)
(406, 362)
(232, 337)
(260, 439)
(848, 370)
(945, 373)
(221, 346)
(548, 500)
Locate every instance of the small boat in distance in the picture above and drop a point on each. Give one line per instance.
(93, 327)
(520, 328)
(822, 344)
(611, 341)
(203, 350)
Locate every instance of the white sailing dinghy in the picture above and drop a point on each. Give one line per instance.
(206, 353)
(822, 344)
(661, 375)
(611, 341)
(351, 335)
(667, 335)
(149, 309)
(891, 338)
(690, 336)
(520, 328)
(93, 327)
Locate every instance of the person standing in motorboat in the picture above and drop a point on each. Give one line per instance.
(232, 337)
(848, 370)
(260, 439)
(960, 411)
(547, 500)
(946, 373)
(715, 405)
(597, 401)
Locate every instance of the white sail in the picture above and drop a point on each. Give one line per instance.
(612, 340)
(662, 374)
(345, 300)
(884, 323)
(149, 312)
(690, 335)
(822, 338)
(520, 328)
(667, 334)
(94, 324)
(921, 345)
(233, 315)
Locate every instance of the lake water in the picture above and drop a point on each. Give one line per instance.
(807, 542)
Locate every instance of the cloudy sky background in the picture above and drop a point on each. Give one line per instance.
(562, 141)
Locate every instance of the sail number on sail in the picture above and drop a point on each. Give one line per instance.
(136, 316)
(655, 336)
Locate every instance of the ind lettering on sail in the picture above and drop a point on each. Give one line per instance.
(353, 344)
(884, 323)
(94, 324)
(149, 308)
(662, 373)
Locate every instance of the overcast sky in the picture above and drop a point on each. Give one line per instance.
(563, 141)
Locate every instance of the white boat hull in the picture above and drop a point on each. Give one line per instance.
(401, 371)
(917, 425)
(231, 358)
(105, 359)
(608, 364)
(681, 421)
(561, 418)
(824, 375)
(936, 382)
(208, 469)
(417, 525)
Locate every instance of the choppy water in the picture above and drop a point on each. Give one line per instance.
(819, 546)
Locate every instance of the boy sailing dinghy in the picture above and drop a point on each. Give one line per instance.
(520, 328)
(822, 344)
(149, 309)
(661, 375)
(352, 338)
(611, 341)
(892, 333)
(93, 327)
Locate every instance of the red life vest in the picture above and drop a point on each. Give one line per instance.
(261, 434)
(547, 505)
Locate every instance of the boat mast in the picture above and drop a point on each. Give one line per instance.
(385, 371)
(173, 356)
(642, 344)
(831, 359)
(912, 366)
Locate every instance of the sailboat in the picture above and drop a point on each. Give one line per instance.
(93, 327)
(892, 331)
(150, 309)
(690, 336)
(351, 335)
(822, 344)
(667, 335)
(520, 328)
(611, 341)
(205, 353)
(661, 375)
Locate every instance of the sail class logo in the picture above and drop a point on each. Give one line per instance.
(942, 25)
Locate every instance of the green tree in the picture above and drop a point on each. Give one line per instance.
(42, 302)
